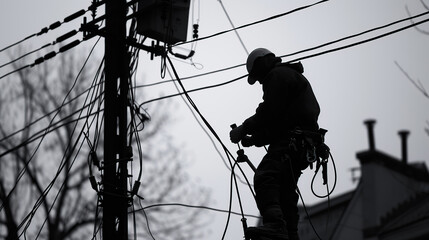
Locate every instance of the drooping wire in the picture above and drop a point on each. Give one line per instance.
(296, 59)
(357, 35)
(23, 170)
(41, 198)
(57, 24)
(146, 217)
(300, 196)
(64, 182)
(46, 57)
(214, 134)
(45, 116)
(304, 50)
(199, 123)
(193, 206)
(254, 23)
(193, 90)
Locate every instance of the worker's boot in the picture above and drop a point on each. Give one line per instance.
(274, 226)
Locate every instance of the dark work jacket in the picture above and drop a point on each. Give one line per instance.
(288, 103)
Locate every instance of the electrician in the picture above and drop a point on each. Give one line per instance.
(288, 104)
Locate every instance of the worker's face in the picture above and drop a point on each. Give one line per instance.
(262, 66)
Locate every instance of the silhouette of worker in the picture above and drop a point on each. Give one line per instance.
(288, 104)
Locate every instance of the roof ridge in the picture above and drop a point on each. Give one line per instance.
(402, 206)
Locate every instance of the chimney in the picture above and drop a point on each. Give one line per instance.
(403, 134)
(370, 125)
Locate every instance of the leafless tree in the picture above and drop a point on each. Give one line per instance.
(44, 148)
(416, 82)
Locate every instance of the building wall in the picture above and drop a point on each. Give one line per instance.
(350, 225)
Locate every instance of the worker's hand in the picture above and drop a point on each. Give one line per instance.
(247, 141)
(237, 134)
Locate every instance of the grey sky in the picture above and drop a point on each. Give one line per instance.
(352, 85)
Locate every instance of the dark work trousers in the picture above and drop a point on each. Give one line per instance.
(275, 184)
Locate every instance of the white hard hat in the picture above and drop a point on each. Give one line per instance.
(259, 52)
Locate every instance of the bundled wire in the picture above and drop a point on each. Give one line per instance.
(254, 23)
(302, 51)
(27, 220)
(227, 152)
(57, 24)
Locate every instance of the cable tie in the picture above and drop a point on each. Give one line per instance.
(74, 15)
(66, 36)
(70, 45)
(55, 25)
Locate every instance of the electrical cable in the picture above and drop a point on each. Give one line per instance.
(193, 90)
(362, 42)
(45, 116)
(302, 199)
(195, 206)
(199, 123)
(355, 35)
(229, 204)
(57, 24)
(298, 52)
(213, 132)
(40, 134)
(46, 57)
(41, 198)
(201, 116)
(58, 40)
(23, 170)
(62, 185)
(253, 23)
(145, 216)
(300, 58)
(190, 77)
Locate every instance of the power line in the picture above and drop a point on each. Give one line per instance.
(254, 23)
(363, 41)
(47, 115)
(302, 51)
(46, 57)
(362, 33)
(71, 17)
(70, 149)
(190, 77)
(295, 53)
(24, 169)
(227, 152)
(193, 206)
(193, 90)
(58, 40)
(199, 123)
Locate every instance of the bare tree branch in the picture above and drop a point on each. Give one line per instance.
(426, 32)
(417, 83)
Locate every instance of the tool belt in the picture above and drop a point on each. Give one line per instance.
(310, 145)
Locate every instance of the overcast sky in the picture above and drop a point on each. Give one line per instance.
(351, 85)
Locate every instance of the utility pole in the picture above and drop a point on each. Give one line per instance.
(116, 151)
